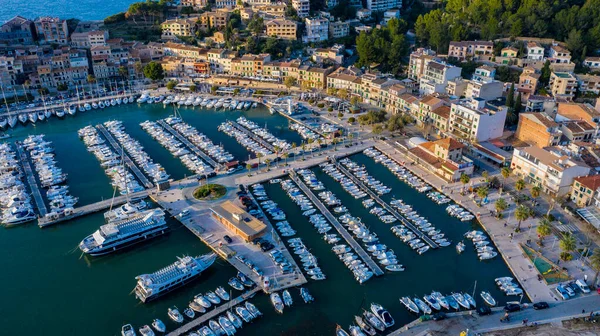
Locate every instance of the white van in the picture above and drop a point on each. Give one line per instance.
(582, 285)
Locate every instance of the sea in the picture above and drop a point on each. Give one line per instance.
(50, 288)
(66, 9)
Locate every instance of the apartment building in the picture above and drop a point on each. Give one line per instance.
(51, 30)
(17, 30)
(443, 157)
(183, 50)
(383, 5)
(563, 85)
(340, 79)
(171, 29)
(588, 83)
(464, 49)
(435, 77)
(275, 9)
(69, 67)
(538, 129)
(282, 29)
(418, 61)
(363, 14)
(220, 60)
(549, 168)
(540, 104)
(477, 120)
(302, 7)
(426, 105)
(196, 4)
(89, 39)
(317, 30)
(528, 81)
(535, 51)
(578, 131)
(593, 63)
(509, 52)
(334, 54)
(215, 19)
(8, 71)
(559, 54)
(225, 4)
(484, 73)
(585, 191)
(576, 111)
(339, 29)
(313, 77)
(249, 65)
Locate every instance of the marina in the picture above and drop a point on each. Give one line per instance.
(189, 145)
(33, 186)
(253, 136)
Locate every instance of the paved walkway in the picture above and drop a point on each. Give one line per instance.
(522, 268)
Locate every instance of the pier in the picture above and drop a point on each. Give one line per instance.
(35, 191)
(134, 168)
(342, 231)
(253, 136)
(197, 323)
(91, 208)
(190, 145)
(61, 105)
(386, 206)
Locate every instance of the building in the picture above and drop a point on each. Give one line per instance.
(17, 30)
(541, 104)
(171, 29)
(275, 9)
(549, 168)
(461, 50)
(331, 3)
(535, 51)
(317, 30)
(528, 81)
(576, 111)
(484, 73)
(418, 60)
(255, 3)
(89, 39)
(225, 3)
(215, 19)
(585, 191)
(363, 14)
(281, 28)
(183, 50)
(559, 54)
(51, 30)
(313, 77)
(436, 75)
(238, 221)
(563, 85)
(8, 71)
(509, 52)
(484, 89)
(593, 63)
(588, 83)
(302, 7)
(443, 157)
(538, 129)
(249, 65)
(334, 54)
(477, 120)
(339, 29)
(578, 131)
(196, 4)
(390, 14)
(383, 5)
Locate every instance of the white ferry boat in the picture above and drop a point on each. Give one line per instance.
(120, 234)
(184, 270)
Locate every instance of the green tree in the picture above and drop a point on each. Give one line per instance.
(193, 88)
(505, 173)
(500, 205)
(535, 192)
(521, 213)
(289, 81)
(575, 41)
(567, 245)
(485, 175)
(520, 185)
(518, 104)
(171, 85)
(352, 120)
(377, 129)
(123, 72)
(510, 96)
(91, 79)
(544, 229)
(256, 25)
(464, 178)
(595, 263)
(154, 71)
(62, 87)
(482, 192)
(545, 74)
(213, 89)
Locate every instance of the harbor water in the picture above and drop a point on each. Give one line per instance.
(65, 9)
(49, 288)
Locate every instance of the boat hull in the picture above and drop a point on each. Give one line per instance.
(131, 242)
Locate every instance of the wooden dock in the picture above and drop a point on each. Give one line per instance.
(33, 186)
(189, 144)
(60, 105)
(197, 323)
(386, 206)
(91, 208)
(132, 166)
(339, 227)
(254, 137)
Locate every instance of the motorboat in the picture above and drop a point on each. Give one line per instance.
(374, 321)
(236, 284)
(243, 313)
(460, 247)
(127, 330)
(367, 328)
(226, 325)
(306, 295)
(234, 319)
(339, 331)
(196, 307)
(487, 297)
(422, 305)
(212, 297)
(222, 293)
(287, 298)
(382, 314)
(252, 309)
(432, 302)
(189, 313)
(203, 301)
(440, 299)
(146, 331)
(277, 302)
(159, 325)
(206, 331)
(395, 268)
(452, 302)
(216, 327)
(470, 300)
(461, 300)
(175, 315)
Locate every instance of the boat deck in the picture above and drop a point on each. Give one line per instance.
(91, 208)
(339, 227)
(197, 322)
(189, 144)
(254, 137)
(387, 207)
(33, 186)
(134, 168)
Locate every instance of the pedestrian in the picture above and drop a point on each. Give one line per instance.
(505, 224)
(583, 311)
(524, 322)
(585, 277)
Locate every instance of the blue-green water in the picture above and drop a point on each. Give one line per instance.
(49, 289)
(66, 9)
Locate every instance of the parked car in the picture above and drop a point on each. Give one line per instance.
(227, 239)
(569, 290)
(562, 292)
(512, 307)
(540, 305)
(484, 310)
(582, 286)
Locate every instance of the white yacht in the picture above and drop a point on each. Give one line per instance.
(184, 270)
(118, 235)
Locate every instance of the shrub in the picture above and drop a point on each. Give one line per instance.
(320, 105)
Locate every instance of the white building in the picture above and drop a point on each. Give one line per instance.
(302, 7)
(477, 121)
(383, 5)
(317, 30)
(549, 168)
(535, 51)
(435, 77)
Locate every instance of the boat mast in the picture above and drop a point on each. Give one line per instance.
(474, 287)
(4, 96)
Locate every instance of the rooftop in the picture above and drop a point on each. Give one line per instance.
(240, 218)
(590, 182)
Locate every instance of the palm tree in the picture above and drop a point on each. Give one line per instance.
(535, 192)
(259, 156)
(521, 214)
(335, 142)
(501, 205)
(464, 178)
(505, 173)
(520, 185)
(544, 229)
(567, 244)
(303, 149)
(595, 263)
(482, 192)
(351, 136)
(248, 167)
(485, 175)
(268, 162)
(310, 142)
(285, 156)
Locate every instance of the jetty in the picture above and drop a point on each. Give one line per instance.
(197, 323)
(35, 191)
(61, 105)
(190, 145)
(134, 168)
(91, 208)
(253, 136)
(338, 226)
(386, 206)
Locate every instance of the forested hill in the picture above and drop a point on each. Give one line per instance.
(576, 22)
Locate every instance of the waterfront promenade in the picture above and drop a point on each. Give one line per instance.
(521, 266)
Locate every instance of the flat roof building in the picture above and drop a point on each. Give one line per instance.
(239, 221)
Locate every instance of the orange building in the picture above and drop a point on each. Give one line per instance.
(538, 129)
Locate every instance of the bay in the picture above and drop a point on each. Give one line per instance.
(64, 9)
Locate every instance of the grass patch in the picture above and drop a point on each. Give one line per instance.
(130, 30)
(210, 192)
(550, 272)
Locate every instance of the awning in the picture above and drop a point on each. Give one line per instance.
(591, 215)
